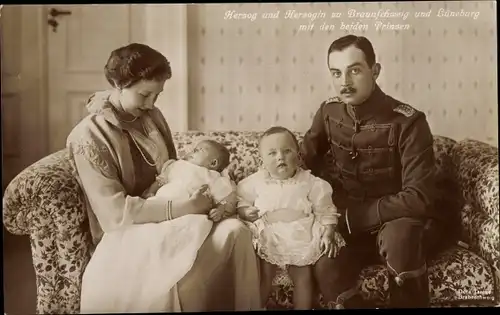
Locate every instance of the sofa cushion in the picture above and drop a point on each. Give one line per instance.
(456, 276)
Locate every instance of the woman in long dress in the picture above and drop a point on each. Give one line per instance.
(118, 150)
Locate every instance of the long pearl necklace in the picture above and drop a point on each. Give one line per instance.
(142, 153)
(128, 121)
(135, 141)
(139, 147)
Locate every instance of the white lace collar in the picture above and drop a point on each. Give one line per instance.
(297, 177)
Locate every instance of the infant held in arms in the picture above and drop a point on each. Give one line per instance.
(201, 167)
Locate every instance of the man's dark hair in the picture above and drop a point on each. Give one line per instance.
(279, 129)
(360, 42)
(132, 63)
(223, 151)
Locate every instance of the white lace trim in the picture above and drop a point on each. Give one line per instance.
(273, 256)
(283, 261)
(295, 179)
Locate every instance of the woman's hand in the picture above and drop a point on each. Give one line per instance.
(216, 214)
(200, 202)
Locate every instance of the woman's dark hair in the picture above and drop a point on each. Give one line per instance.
(360, 42)
(130, 64)
(279, 129)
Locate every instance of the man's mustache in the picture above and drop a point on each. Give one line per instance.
(347, 90)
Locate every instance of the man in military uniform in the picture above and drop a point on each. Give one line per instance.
(383, 178)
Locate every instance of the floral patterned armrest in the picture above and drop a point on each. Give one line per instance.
(45, 202)
(476, 171)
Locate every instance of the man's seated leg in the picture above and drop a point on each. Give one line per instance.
(337, 278)
(403, 245)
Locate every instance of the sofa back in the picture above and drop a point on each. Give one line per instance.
(244, 149)
(245, 160)
(467, 175)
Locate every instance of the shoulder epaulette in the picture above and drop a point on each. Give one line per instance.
(333, 99)
(405, 110)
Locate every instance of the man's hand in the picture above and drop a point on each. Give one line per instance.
(248, 213)
(327, 241)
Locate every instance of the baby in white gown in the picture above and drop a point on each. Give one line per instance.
(291, 215)
(202, 166)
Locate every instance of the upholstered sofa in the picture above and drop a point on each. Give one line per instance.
(44, 201)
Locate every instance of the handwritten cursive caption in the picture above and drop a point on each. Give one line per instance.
(352, 19)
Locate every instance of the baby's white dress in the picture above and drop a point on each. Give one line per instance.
(166, 250)
(289, 243)
(183, 178)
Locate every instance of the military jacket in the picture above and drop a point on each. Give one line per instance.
(383, 158)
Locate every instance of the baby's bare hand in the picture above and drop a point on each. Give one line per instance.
(249, 214)
(327, 245)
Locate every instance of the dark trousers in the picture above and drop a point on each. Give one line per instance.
(403, 245)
